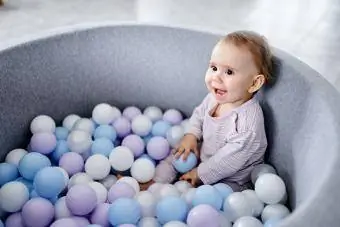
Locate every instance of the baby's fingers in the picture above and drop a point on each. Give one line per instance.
(179, 152)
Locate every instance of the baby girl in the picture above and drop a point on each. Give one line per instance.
(227, 129)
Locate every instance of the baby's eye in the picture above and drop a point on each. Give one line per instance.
(229, 72)
(214, 68)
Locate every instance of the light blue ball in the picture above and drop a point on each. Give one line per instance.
(1, 224)
(160, 128)
(8, 172)
(31, 163)
(148, 157)
(272, 222)
(171, 208)
(105, 131)
(147, 138)
(185, 166)
(207, 194)
(61, 149)
(49, 182)
(61, 133)
(33, 194)
(102, 146)
(27, 183)
(224, 190)
(124, 211)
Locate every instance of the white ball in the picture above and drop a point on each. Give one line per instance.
(141, 125)
(97, 166)
(147, 201)
(131, 181)
(70, 120)
(79, 178)
(188, 196)
(155, 188)
(13, 196)
(183, 186)
(79, 141)
(116, 113)
(103, 114)
(270, 188)
(168, 190)
(174, 135)
(100, 190)
(108, 181)
(274, 211)
(143, 170)
(223, 220)
(256, 204)
(15, 156)
(186, 125)
(247, 222)
(84, 124)
(121, 158)
(148, 222)
(261, 169)
(236, 205)
(154, 113)
(176, 224)
(42, 123)
(66, 176)
(61, 210)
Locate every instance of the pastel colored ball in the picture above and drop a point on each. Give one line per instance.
(143, 170)
(13, 195)
(174, 135)
(149, 158)
(49, 182)
(160, 128)
(97, 166)
(270, 188)
(173, 116)
(155, 189)
(100, 190)
(61, 133)
(147, 201)
(124, 211)
(277, 211)
(14, 156)
(224, 190)
(81, 199)
(188, 196)
(135, 143)
(72, 163)
(31, 163)
(80, 221)
(108, 181)
(69, 222)
(131, 181)
(261, 169)
(102, 146)
(203, 215)
(122, 126)
(131, 112)
(182, 186)
(103, 113)
(8, 172)
(187, 165)
(79, 178)
(247, 221)
(27, 183)
(158, 148)
(120, 190)
(43, 142)
(121, 158)
(60, 149)
(100, 215)
(70, 120)
(171, 208)
(60, 209)
(141, 125)
(79, 141)
(85, 125)
(168, 190)
(175, 224)
(14, 220)
(147, 138)
(38, 212)
(42, 123)
(185, 125)
(272, 222)
(255, 203)
(237, 205)
(207, 194)
(153, 112)
(149, 222)
(105, 131)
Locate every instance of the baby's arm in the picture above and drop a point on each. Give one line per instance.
(230, 158)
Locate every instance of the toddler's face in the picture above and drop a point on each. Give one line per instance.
(230, 74)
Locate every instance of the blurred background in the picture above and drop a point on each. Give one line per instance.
(307, 29)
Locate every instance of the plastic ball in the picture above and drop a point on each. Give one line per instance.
(141, 125)
(153, 112)
(72, 163)
(207, 194)
(270, 188)
(31, 163)
(261, 169)
(100, 215)
(103, 113)
(149, 158)
(147, 201)
(278, 211)
(135, 143)
(70, 120)
(84, 124)
(203, 215)
(168, 190)
(223, 220)
(122, 126)
(224, 190)
(143, 170)
(188, 196)
(49, 182)
(27, 183)
(14, 156)
(8, 172)
(69, 222)
(174, 135)
(97, 166)
(81, 199)
(116, 113)
(175, 224)
(149, 222)
(121, 158)
(94, 225)
(14, 220)
(78, 179)
(102, 146)
(42, 123)
(124, 211)
(13, 195)
(105, 131)
(155, 189)
(79, 141)
(158, 148)
(182, 186)
(38, 212)
(272, 222)
(255, 203)
(60, 149)
(131, 112)
(237, 205)
(120, 190)
(173, 116)
(171, 208)
(160, 128)
(131, 181)
(43, 142)
(108, 181)
(247, 221)
(185, 125)
(187, 165)
(80, 221)
(100, 190)
(60, 209)
(61, 133)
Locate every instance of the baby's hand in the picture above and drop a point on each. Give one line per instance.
(145, 186)
(187, 144)
(191, 177)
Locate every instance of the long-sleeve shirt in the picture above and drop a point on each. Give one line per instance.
(231, 144)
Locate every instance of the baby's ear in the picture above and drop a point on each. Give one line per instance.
(258, 82)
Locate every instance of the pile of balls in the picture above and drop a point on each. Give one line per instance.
(67, 176)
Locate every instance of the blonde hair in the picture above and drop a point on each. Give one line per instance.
(259, 48)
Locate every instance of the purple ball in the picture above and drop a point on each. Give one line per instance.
(120, 190)
(158, 148)
(81, 199)
(43, 142)
(38, 212)
(100, 215)
(80, 221)
(131, 112)
(122, 126)
(173, 116)
(135, 143)
(69, 222)
(127, 225)
(14, 220)
(72, 163)
(203, 215)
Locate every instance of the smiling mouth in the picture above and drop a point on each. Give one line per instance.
(220, 92)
